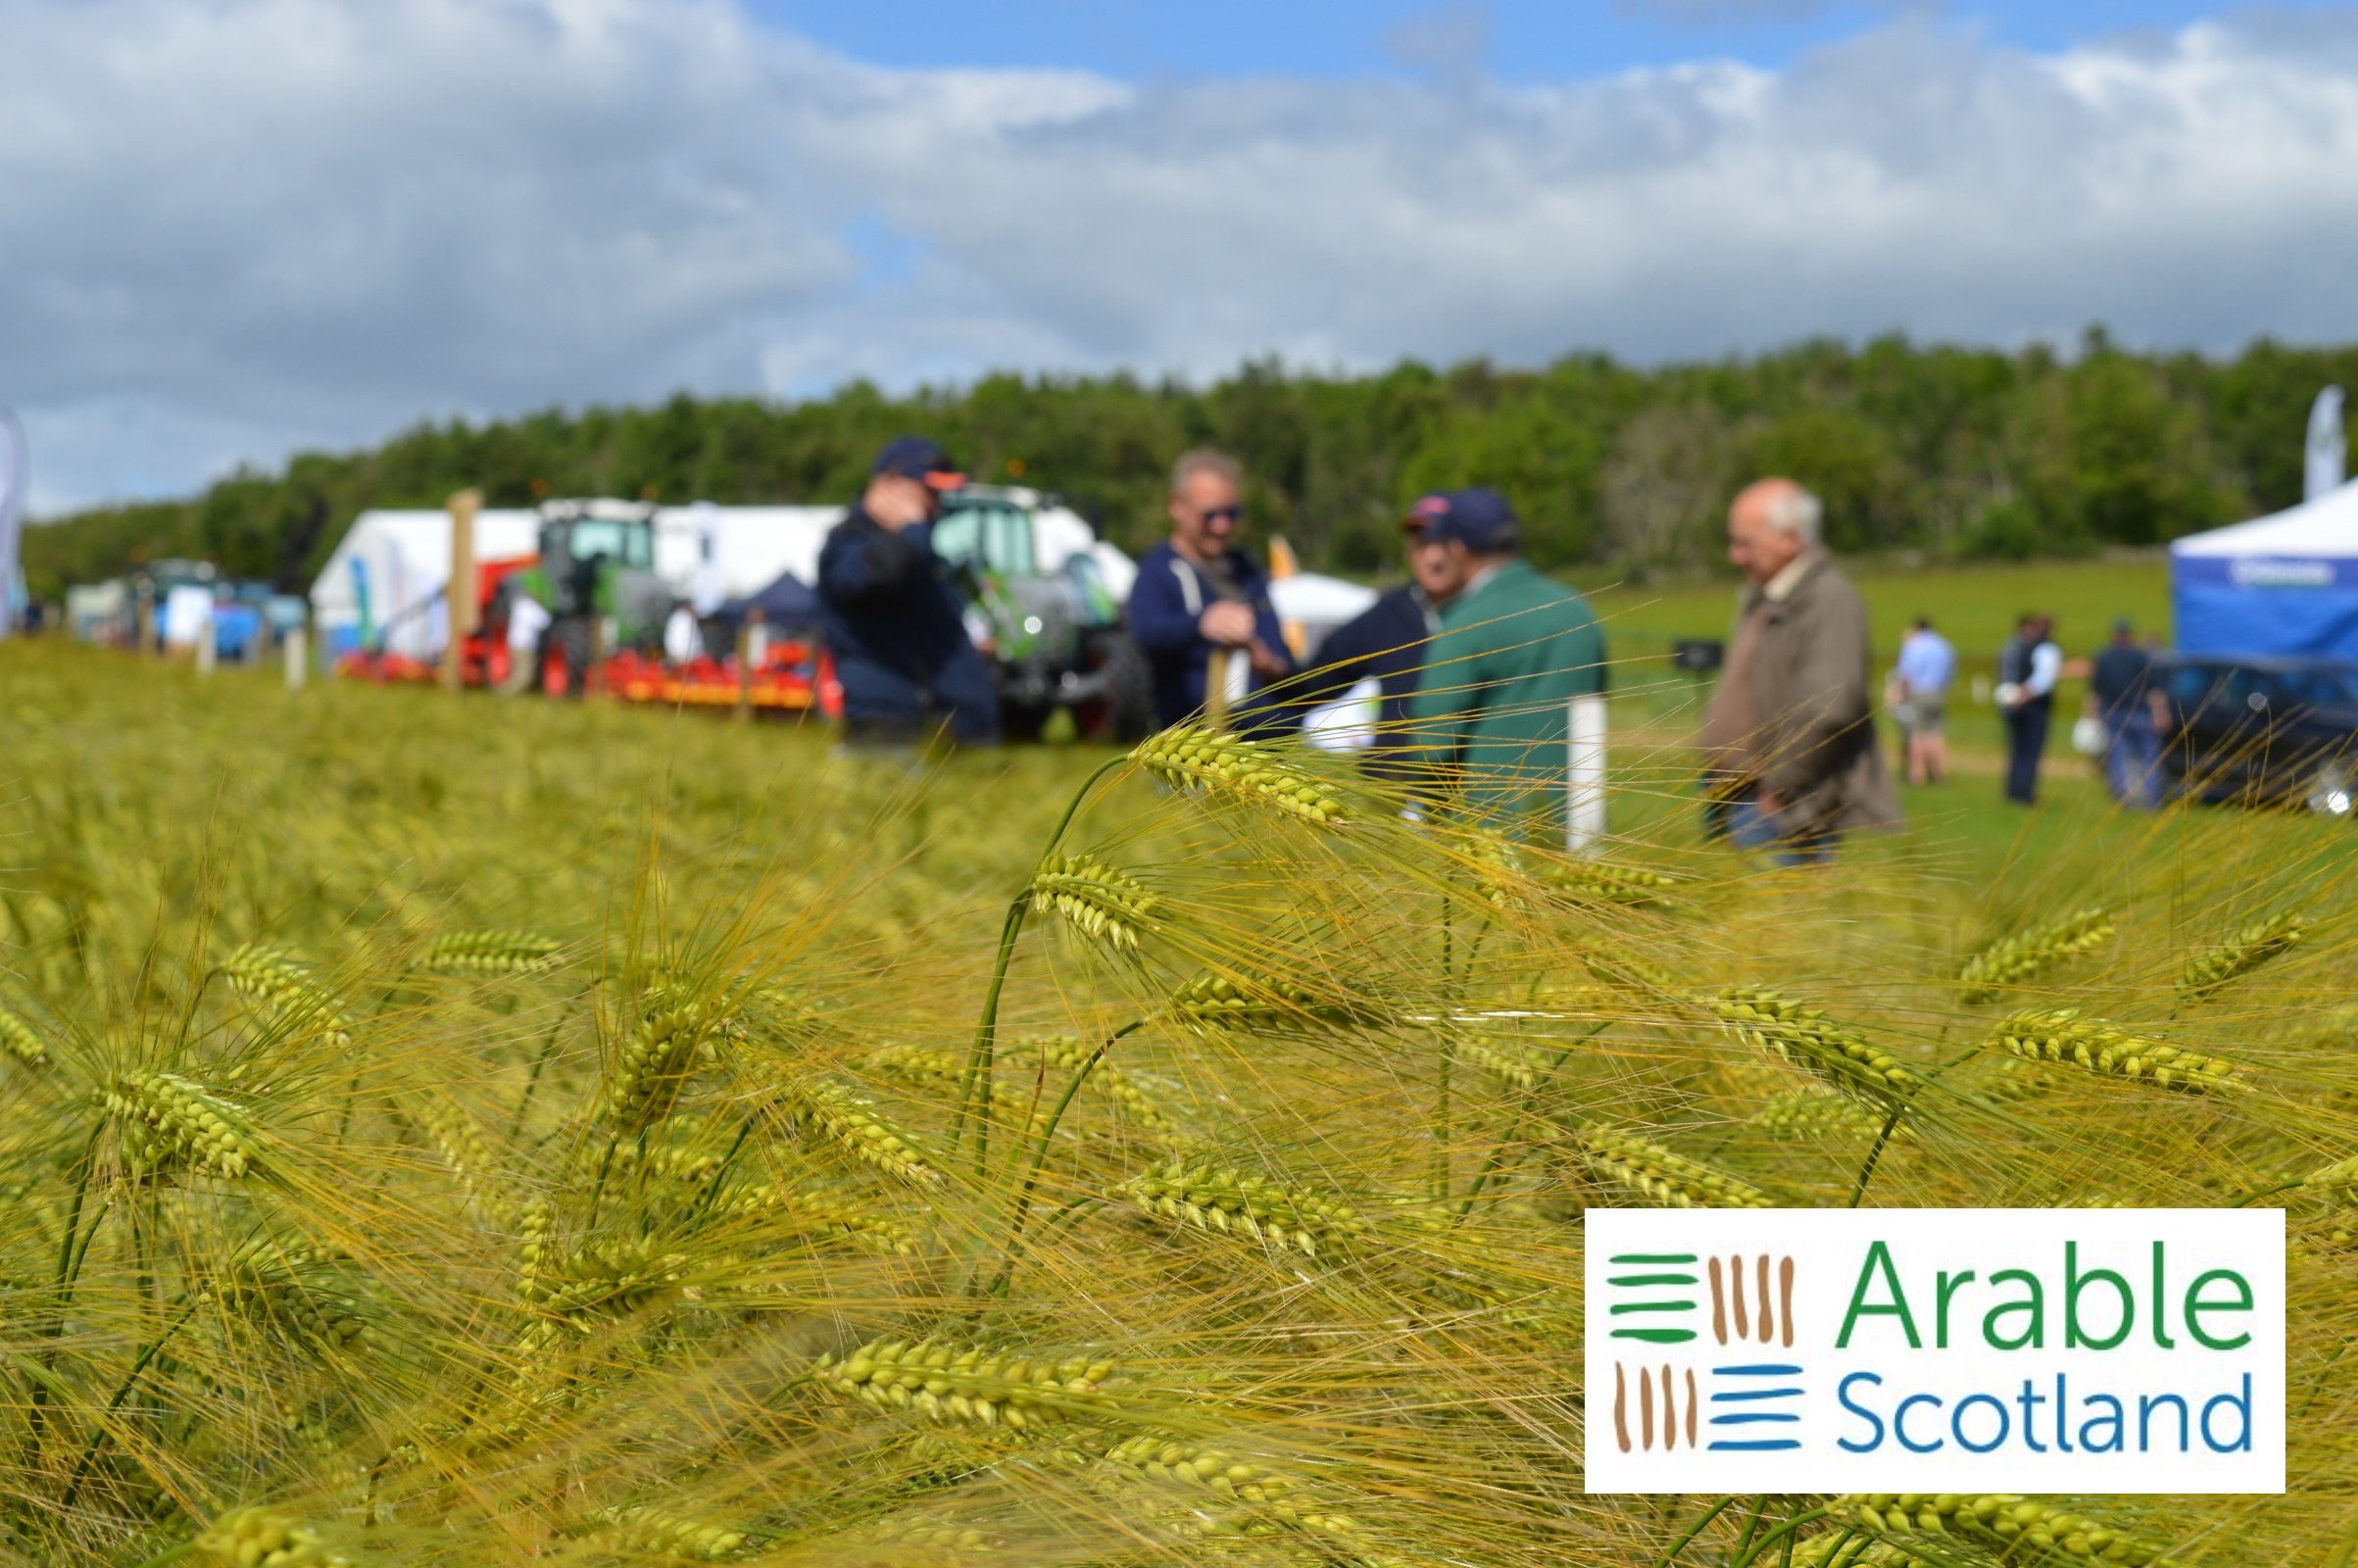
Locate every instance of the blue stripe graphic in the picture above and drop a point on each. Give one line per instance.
(1734, 1395)
(1745, 1418)
(1756, 1446)
(1763, 1370)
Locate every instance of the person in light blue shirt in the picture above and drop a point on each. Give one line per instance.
(1928, 668)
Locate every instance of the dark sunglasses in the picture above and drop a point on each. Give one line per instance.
(1214, 514)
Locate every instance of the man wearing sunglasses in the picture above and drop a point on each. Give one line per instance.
(1199, 609)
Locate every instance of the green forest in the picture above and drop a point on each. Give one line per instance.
(1950, 452)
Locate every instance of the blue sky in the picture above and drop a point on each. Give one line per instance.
(1513, 41)
(248, 228)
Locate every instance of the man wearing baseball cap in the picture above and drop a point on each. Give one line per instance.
(892, 620)
(1489, 723)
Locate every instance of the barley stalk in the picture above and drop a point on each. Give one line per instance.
(490, 952)
(1804, 1037)
(816, 1211)
(1807, 1112)
(1653, 1171)
(1191, 758)
(2110, 1052)
(1270, 1492)
(848, 1120)
(21, 1039)
(2027, 954)
(264, 1538)
(987, 1388)
(1219, 1198)
(296, 1290)
(658, 1531)
(1602, 882)
(674, 1039)
(2240, 954)
(1068, 1054)
(1109, 907)
(924, 1064)
(273, 980)
(1214, 1002)
(2022, 1530)
(167, 1124)
(610, 1278)
(1510, 1061)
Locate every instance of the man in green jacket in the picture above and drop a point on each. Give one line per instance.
(1491, 715)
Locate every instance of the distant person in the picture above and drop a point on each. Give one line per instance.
(2028, 667)
(1199, 609)
(2121, 693)
(1926, 669)
(1789, 739)
(895, 625)
(1369, 666)
(1489, 721)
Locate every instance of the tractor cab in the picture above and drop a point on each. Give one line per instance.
(596, 577)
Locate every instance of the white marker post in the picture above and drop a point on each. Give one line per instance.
(298, 662)
(1584, 774)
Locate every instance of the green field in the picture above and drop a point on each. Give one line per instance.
(446, 1131)
(1974, 606)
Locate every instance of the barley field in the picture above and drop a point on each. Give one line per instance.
(460, 1131)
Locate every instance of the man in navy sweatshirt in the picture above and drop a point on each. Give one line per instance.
(892, 620)
(1199, 609)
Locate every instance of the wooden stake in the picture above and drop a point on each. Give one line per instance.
(460, 597)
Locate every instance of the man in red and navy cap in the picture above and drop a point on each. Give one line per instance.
(1489, 721)
(892, 620)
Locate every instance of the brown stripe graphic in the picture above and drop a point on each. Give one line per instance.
(1719, 1305)
(1785, 1290)
(1691, 1407)
(1744, 1325)
(1645, 1409)
(1621, 1406)
(1767, 1316)
(1670, 1410)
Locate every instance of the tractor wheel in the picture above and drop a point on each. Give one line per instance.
(1125, 714)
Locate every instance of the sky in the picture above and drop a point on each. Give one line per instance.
(232, 229)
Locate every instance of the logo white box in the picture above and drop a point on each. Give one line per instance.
(1716, 1357)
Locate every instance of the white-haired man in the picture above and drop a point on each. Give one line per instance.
(1789, 740)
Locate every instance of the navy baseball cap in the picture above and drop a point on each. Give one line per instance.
(1478, 519)
(912, 457)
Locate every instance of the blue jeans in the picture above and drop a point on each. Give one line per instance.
(2132, 757)
(1743, 824)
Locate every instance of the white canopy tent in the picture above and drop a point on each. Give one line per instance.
(2282, 585)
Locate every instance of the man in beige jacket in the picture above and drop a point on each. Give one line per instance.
(1788, 741)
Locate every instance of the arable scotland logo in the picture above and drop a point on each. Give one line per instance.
(2119, 1351)
(1657, 1299)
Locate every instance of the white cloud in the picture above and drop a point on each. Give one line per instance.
(233, 226)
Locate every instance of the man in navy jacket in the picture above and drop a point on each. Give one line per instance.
(892, 620)
(1199, 609)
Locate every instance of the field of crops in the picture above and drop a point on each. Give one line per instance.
(451, 1131)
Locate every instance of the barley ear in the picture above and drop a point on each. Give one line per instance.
(2240, 954)
(2108, 1050)
(1195, 759)
(2027, 954)
(275, 980)
(1107, 906)
(1650, 1170)
(21, 1039)
(490, 952)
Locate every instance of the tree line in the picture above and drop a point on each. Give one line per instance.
(1952, 452)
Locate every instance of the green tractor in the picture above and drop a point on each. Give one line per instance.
(596, 577)
(1044, 598)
